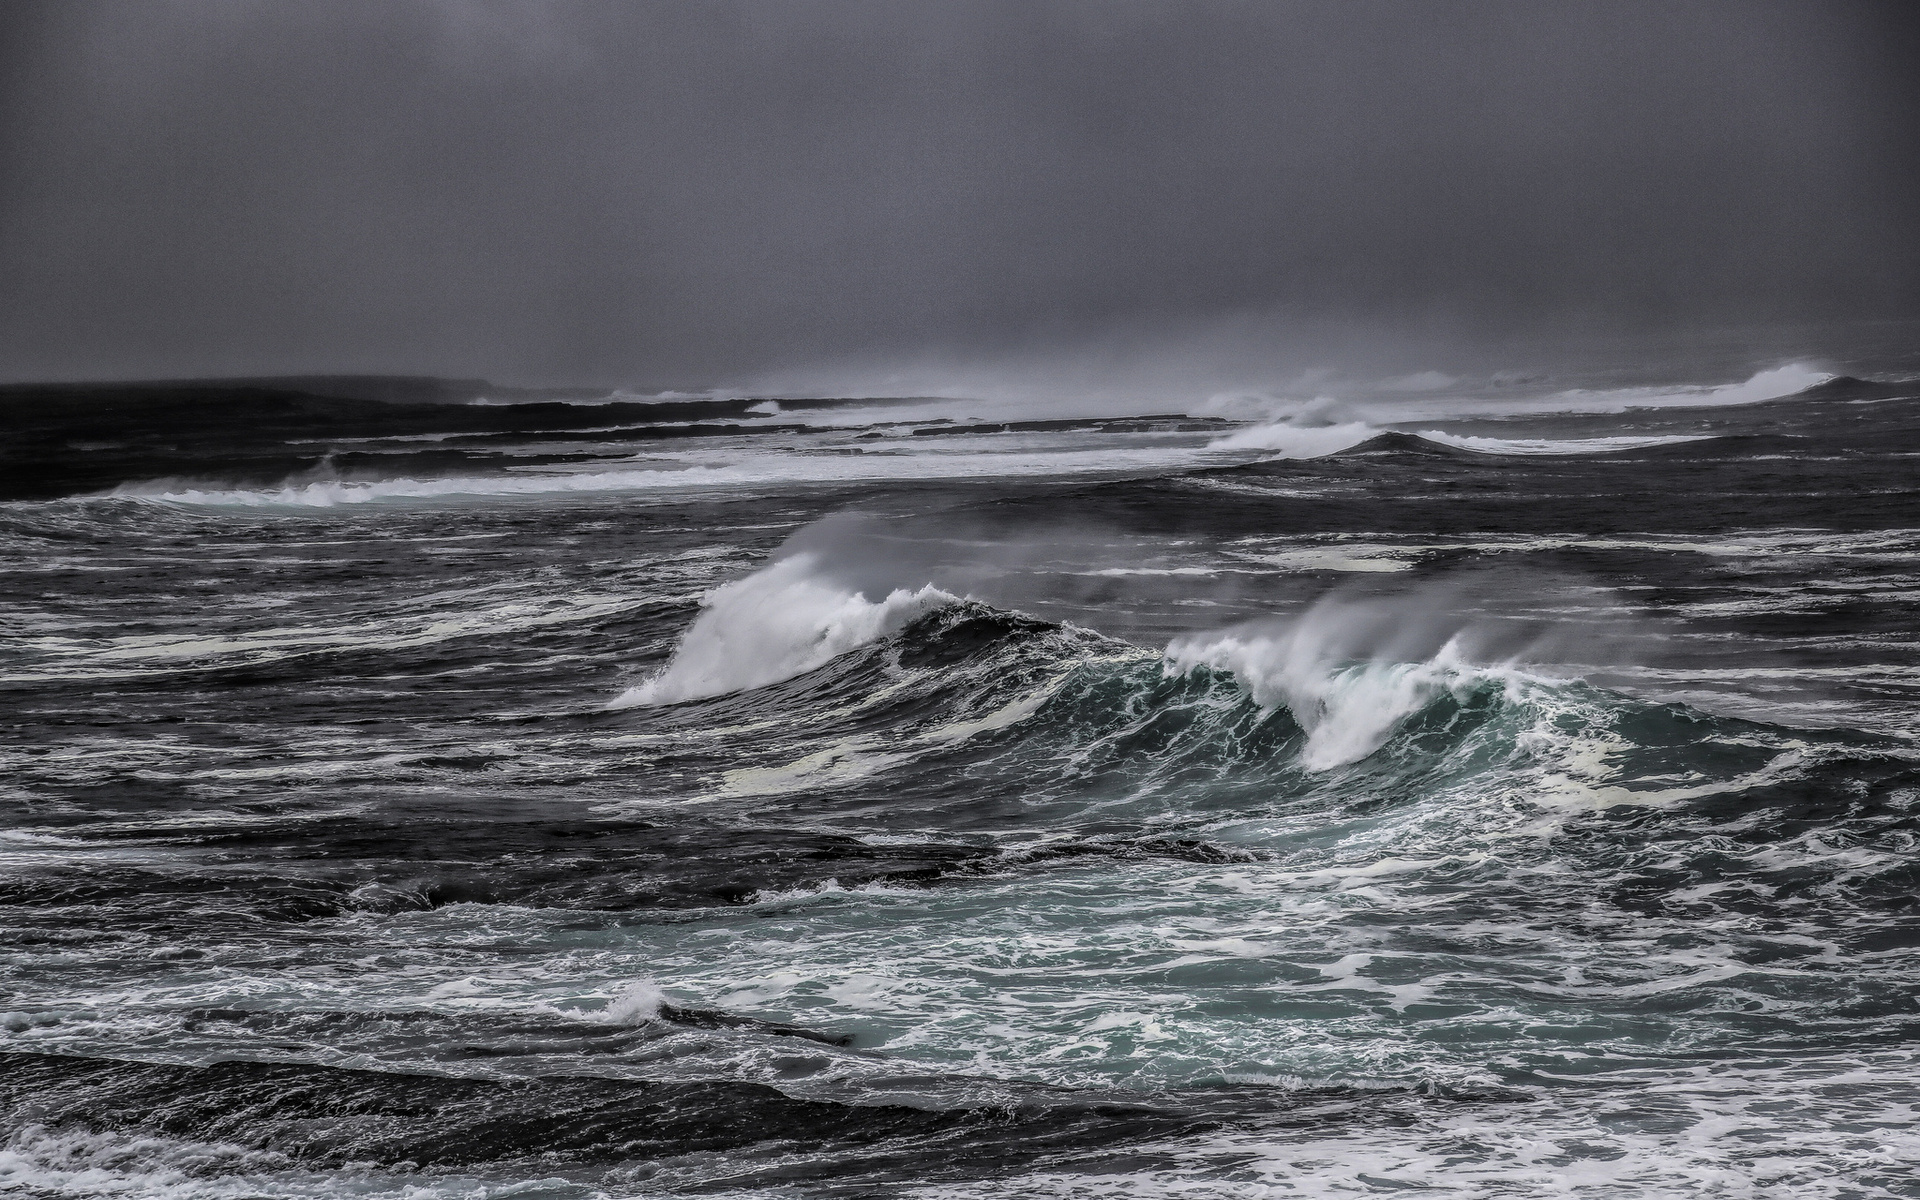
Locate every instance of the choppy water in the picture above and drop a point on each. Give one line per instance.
(1510, 805)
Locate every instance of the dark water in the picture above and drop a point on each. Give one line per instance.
(419, 798)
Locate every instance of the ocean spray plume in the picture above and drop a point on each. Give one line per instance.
(842, 582)
(1351, 669)
(783, 620)
(1320, 427)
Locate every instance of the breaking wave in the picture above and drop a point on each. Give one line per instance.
(782, 621)
(1348, 710)
(1775, 383)
(1298, 438)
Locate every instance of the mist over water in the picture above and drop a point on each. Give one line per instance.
(863, 198)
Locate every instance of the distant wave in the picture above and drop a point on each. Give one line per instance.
(1294, 438)
(1775, 383)
(745, 470)
(1592, 445)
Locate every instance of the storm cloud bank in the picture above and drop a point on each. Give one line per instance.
(700, 191)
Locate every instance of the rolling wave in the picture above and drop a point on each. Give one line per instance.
(1409, 688)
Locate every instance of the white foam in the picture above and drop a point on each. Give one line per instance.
(1293, 440)
(1593, 445)
(709, 470)
(841, 763)
(1325, 426)
(1345, 557)
(1319, 427)
(40, 1161)
(636, 1004)
(782, 621)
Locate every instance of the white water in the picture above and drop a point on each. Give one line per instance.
(1289, 439)
(1771, 384)
(1350, 671)
(709, 470)
(782, 621)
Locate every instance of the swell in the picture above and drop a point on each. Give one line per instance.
(325, 1116)
(1361, 440)
(974, 747)
(969, 701)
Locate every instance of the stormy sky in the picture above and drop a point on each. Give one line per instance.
(692, 191)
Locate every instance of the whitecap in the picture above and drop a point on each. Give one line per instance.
(782, 621)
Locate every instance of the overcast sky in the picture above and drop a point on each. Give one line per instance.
(685, 192)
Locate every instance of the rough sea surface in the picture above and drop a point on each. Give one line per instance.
(406, 795)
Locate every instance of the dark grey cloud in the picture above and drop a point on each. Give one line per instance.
(613, 191)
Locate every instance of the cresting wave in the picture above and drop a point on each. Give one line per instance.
(1326, 425)
(1774, 383)
(779, 622)
(1348, 708)
(1310, 434)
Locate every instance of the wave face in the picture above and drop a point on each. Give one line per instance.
(913, 805)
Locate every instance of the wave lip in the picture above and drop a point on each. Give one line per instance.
(775, 624)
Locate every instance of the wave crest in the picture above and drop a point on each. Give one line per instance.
(1351, 671)
(1323, 428)
(1319, 428)
(782, 621)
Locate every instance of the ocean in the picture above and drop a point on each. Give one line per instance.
(417, 788)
